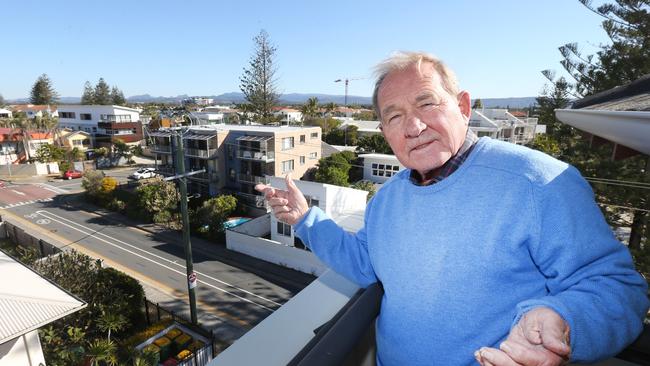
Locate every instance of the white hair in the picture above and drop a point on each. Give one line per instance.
(402, 60)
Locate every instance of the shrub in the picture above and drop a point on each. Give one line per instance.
(116, 205)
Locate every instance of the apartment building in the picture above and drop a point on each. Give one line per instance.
(378, 168)
(5, 113)
(503, 125)
(106, 123)
(237, 157)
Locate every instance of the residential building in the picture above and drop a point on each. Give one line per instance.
(288, 115)
(198, 101)
(364, 128)
(106, 123)
(37, 139)
(236, 157)
(28, 302)
(503, 125)
(378, 168)
(69, 139)
(33, 111)
(346, 206)
(12, 148)
(5, 113)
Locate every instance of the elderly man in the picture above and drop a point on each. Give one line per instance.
(485, 249)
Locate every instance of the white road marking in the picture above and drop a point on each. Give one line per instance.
(52, 188)
(46, 213)
(18, 192)
(23, 203)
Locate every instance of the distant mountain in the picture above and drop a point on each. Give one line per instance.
(291, 98)
(522, 102)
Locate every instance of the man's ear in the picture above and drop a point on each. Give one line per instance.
(464, 102)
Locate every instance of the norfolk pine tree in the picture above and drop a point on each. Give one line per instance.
(88, 97)
(627, 58)
(258, 80)
(43, 92)
(102, 93)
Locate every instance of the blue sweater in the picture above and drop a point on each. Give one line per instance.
(462, 260)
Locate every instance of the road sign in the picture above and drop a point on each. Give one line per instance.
(192, 279)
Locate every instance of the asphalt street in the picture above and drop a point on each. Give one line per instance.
(234, 291)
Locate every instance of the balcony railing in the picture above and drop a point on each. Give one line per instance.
(211, 177)
(201, 153)
(116, 118)
(265, 156)
(251, 199)
(252, 179)
(165, 149)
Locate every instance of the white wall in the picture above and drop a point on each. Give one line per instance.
(22, 351)
(369, 160)
(274, 252)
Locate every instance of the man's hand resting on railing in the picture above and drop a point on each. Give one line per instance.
(541, 338)
(288, 206)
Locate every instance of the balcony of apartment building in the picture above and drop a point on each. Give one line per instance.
(259, 148)
(117, 122)
(200, 145)
(162, 142)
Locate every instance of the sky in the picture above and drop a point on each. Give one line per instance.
(166, 48)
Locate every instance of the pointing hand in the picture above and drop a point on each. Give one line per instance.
(288, 206)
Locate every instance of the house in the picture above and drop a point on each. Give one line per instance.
(33, 111)
(12, 149)
(28, 302)
(502, 125)
(236, 157)
(288, 115)
(364, 128)
(5, 113)
(378, 168)
(69, 139)
(105, 123)
(346, 206)
(37, 139)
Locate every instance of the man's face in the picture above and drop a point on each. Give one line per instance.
(422, 123)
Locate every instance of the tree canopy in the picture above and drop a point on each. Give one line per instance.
(258, 82)
(374, 143)
(43, 92)
(102, 94)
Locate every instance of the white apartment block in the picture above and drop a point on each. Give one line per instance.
(378, 168)
(105, 123)
(502, 125)
(289, 115)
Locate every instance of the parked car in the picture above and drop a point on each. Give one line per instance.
(71, 174)
(143, 173)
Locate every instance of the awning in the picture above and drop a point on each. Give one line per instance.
(254, 138)
(198, 136)
(160, 134)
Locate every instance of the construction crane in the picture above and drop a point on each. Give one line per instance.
(347, 80)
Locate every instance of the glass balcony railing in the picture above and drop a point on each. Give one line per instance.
(265, 156)
(252, 179)
(201, 153)
(166, 149)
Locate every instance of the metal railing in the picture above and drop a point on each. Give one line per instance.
(201, 153)
(254, 179)
(256, 155)
(162, 148)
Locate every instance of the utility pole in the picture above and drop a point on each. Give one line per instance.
(189, 265)
(347, 81)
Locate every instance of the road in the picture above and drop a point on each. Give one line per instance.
(228, 295)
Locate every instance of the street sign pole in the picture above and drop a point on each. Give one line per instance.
(191, 276)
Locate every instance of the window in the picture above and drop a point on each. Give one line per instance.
(302, 139)
(232, 174)
(85, 116)
(67, 115)
(384, 170)
(284, 229)
(287, 166)
(313, 155)
(302, 160)
(94, 129)
(314, 135)
(77, 142)
(287, 143)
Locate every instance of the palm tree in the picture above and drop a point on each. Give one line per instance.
(109, 321)
(101, 350)
(329, 108)
(310, 109)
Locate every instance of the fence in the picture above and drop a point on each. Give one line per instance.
(19, 236)
(155, 313)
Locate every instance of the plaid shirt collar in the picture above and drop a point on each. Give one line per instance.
(452, 164)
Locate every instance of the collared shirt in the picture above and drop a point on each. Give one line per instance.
(452, 164)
